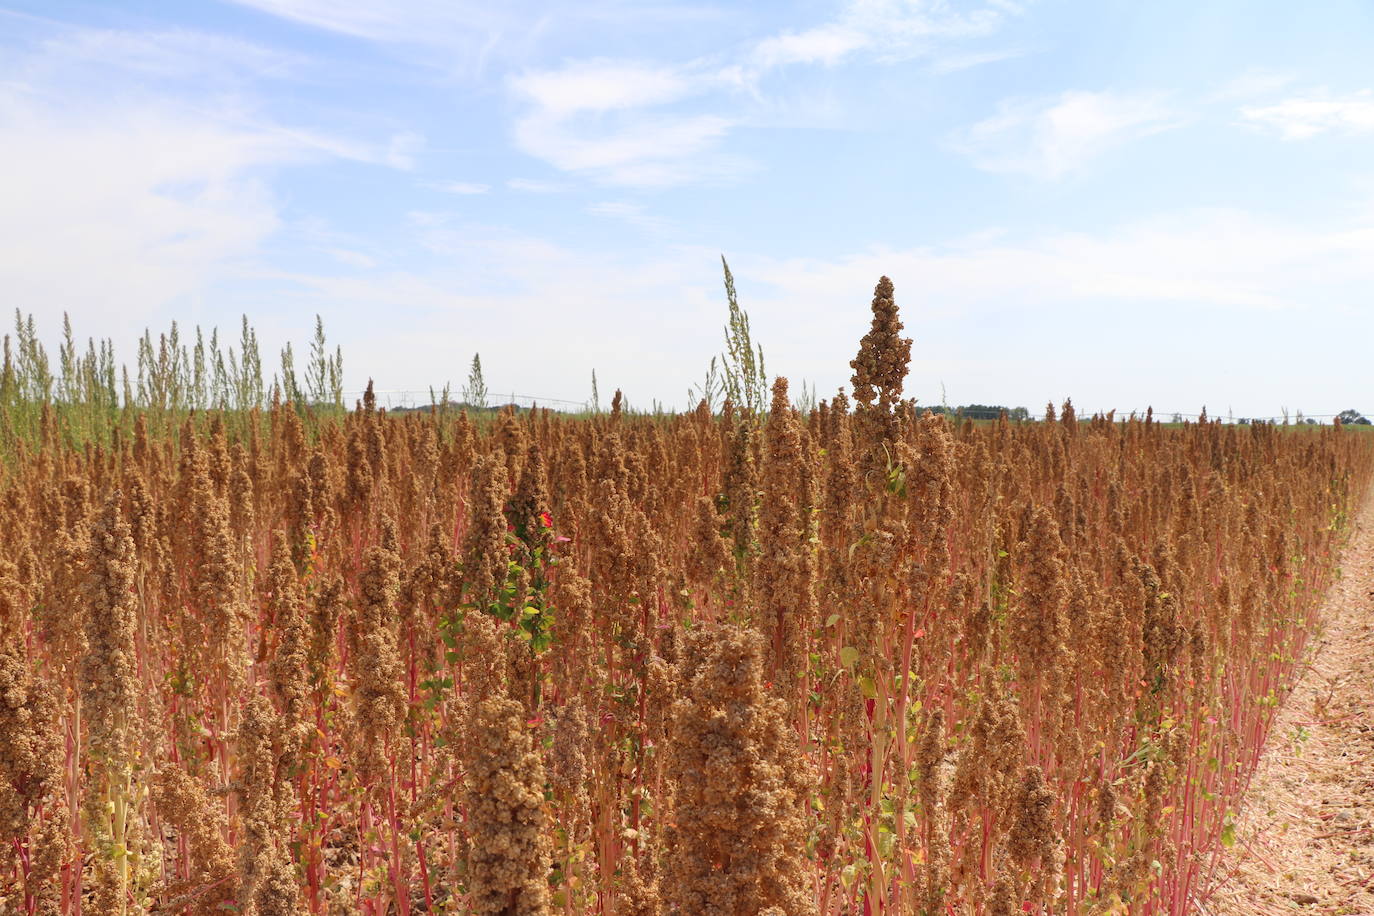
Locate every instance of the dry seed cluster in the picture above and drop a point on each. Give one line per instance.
(857, 661)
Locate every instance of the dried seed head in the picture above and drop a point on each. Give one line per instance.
(377, 672)
(109, 669)
(486, 555)
(509, 855)
(183, 803)
(1032, 838)
(881, 366)
(739, 786)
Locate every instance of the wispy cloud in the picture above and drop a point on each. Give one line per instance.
(351, 258)
(175, 54)
(131, 229)
(649, 123)
(956, 61)
(602, 85)
(884, 30)
(596, 118)
(402, 150)
(1249, 85)
(1304, 116)
(458, 187)
(825, 44)
(155, 188)
(630, 212)
(645, 151)
(1048, 138)
(536, 186)
(1211, 258)
(417, 21)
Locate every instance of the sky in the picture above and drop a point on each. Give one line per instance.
(1166, 204)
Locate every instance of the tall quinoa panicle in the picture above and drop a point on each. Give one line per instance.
(109, 697)
(841, 480)
(532, 507)
(326, 610)
(16, 601)
(934, 792)
(358, 486)
(785, 575)
(509, 854)
(1034, 842)
(709, 553)
(879, 372)
(741, 492)
(264, 869)
(289, 669)
(212, 879)
(738, 842)
(378, 676)
(33, 810)
(216, 568)
(1039, 625)
(512, 440)
(486, 556)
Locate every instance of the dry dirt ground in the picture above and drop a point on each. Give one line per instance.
(1305, 834)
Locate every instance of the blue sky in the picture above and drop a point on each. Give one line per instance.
(1167, 204)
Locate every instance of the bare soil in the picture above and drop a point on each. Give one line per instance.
(1304, 839)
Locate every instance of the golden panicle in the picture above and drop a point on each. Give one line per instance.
(740, 786)
(33, 804)
(378, 681)
(289, 668)
(785, 573)
(486, 555)
(509, 852)
(109, 669)
(212, 878)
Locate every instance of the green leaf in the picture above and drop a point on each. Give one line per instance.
(848, 656)
(867, 688)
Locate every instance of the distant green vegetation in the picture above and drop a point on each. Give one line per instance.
(87, 395)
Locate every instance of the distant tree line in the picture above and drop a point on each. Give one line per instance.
(982, 412)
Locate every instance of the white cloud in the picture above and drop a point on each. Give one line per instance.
(827, 44)
(601, 85)
(402, 149)
(589, 118)
(887, 31)
(119, 202)
(1248, 85)
(418, 21)
(179, 54)
(351, 258)
(642, 151)
(536, 186)
(167, 203)
(458, 187)
(1048, 138)
(1305, 116)
(1212, 258)
(632, 213)
(574, 320)
(957, 61)
(646, 124)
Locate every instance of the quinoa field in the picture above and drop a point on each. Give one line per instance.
(863, 659)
